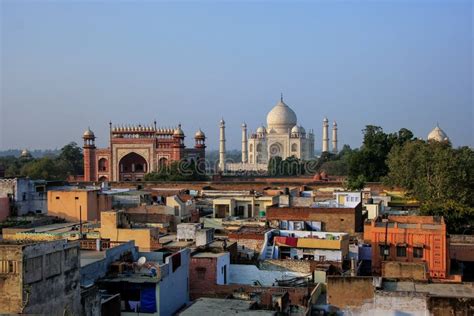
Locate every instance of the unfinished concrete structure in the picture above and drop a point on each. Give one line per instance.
(40, 277)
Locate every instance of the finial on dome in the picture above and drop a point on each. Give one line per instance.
(281, 96)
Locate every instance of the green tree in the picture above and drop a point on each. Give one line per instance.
(355, 184)
(71, 156)
(437, 175)
(370, 159)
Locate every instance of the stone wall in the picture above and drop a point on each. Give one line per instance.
(404, 270)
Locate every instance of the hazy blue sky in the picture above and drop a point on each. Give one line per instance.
(69, 65)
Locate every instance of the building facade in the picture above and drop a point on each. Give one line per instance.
(41, 278)
(137, 150)
(409, 239)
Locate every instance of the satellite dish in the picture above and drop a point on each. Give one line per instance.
(141, 261)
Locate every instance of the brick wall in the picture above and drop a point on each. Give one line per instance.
(333, 219)
(202, 274)
(345, 292)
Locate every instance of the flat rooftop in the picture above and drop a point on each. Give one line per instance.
(434, 289)
(90, 256)
(220, 306)
(208, 255)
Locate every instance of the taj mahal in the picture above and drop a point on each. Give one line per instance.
(282, 136)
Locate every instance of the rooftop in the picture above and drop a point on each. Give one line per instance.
(208, 255)
(465, 290)
(218, 306)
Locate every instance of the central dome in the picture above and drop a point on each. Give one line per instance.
(281, 117)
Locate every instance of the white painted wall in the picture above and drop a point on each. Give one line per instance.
(222, 261)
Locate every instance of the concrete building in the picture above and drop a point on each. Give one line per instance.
(418, 240)
(40, 277)
(304, 245)
(26, 196)
(156, 287)
(116, 226)
(243, 206)
(369, 296)
(76, 204)
(183, 206)
(329, 217)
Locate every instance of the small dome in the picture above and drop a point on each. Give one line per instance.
(88, 133)
(25, 153)
(298, 129)
(281, 117)
(178, 131)
(261, 130)
(334, 124)
(199, 134)
(438, 135)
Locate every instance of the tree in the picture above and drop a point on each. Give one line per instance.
(71, 156)
(370, 159)
(433, 171)
(177, 171)
(440, 177)
(355, 184)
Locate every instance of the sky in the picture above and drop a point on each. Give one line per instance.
(69, 65)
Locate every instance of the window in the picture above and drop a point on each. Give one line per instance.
(384, 250)
(417, 252)
(294, 148)
(401, 251)
(322, 258)
(57, 198)
(201, 273)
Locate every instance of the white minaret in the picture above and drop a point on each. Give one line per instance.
(334, 137)
(325, 135)
(244, 144)
(222, 147)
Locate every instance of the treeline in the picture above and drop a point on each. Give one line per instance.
(439, 176)
(178, 171)
(68, 162)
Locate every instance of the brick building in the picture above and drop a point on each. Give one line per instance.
(40, 277)
(137, 150)
(409, 239)
(331, 218)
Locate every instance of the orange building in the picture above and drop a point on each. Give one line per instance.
(73, 204)
(137, 150)
(410, 239)
(116, 226)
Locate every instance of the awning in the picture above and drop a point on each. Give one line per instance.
(286, 241)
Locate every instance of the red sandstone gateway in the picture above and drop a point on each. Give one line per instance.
(137, 150)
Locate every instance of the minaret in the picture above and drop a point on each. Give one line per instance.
(325, 135)
(89, 155)
(222, 146)
(244, 143)
(334, 137)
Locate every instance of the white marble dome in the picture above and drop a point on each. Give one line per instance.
(438, 135)
(281, 117)
(261, 130)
